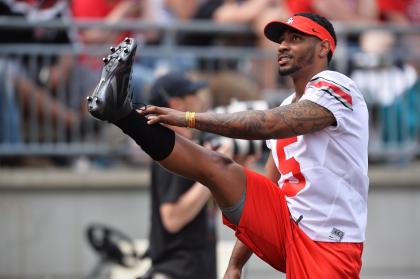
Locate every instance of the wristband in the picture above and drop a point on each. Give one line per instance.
(190, 119)
(187, 119)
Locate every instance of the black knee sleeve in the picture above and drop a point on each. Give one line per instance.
(156, 140)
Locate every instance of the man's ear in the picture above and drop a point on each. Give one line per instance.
(325, 48)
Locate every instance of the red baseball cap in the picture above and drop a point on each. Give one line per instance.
(275, 29)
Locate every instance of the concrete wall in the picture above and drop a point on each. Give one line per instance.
(42, 226)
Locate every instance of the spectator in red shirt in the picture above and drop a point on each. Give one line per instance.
(402, 11)
(339, 10)
(110, 12)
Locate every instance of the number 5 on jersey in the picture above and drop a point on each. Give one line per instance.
(293, 185)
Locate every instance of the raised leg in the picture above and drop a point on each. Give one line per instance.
(111, 101)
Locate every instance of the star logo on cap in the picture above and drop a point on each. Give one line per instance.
(290, 20)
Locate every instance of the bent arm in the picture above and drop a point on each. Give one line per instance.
(271, 171)
(281, 122)
(240, 255)
(178, 214)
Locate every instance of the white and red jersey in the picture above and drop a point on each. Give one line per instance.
(324, 174)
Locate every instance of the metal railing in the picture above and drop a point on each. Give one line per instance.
(29, 129)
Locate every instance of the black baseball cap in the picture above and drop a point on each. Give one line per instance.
(171, 85)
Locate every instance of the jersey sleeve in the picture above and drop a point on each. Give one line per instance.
(268, 144)
(334, 95)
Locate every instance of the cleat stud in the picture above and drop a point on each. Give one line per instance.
(96, 100)
(119, 59)
(112, 49)
(89, 98)
(126, 50)
(127, 40)
(105, 60)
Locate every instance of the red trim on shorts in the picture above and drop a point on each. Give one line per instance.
(267, 229)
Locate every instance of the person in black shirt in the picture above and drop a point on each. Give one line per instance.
(182, 237)
(181, 246)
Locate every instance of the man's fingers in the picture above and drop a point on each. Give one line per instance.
(161, 115)
(149, 110)
(141, 111)
(153, 119)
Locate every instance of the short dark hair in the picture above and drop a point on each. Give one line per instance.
(324, 23)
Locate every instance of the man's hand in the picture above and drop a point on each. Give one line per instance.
(163, 115)
(232, 273)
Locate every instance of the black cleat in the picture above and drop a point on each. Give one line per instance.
(111, 99)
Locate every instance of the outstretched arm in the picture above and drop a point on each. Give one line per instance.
(280, 122)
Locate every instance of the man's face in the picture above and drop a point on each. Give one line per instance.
(296, 51)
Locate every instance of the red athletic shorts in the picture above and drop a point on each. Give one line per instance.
(267, 229)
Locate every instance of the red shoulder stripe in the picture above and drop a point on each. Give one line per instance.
(341, 93)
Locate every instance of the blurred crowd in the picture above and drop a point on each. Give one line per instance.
(42, 94)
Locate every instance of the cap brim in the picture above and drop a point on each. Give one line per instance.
(275, 29)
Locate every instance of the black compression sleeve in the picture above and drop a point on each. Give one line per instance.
(156, 140)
